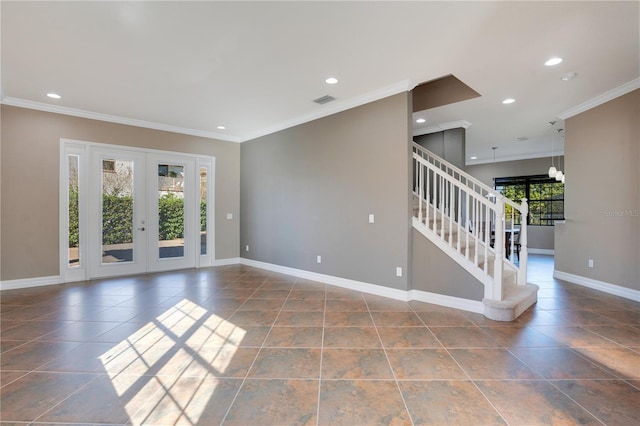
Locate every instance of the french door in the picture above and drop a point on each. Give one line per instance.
(145, 211)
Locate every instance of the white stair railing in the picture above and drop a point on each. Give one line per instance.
(465, 218)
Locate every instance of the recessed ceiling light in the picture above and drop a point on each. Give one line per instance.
(569, 76)
(508, 101)
(553, 61)
(420, 120)
(474, 158)
(54, 95)
(522, 138)
(331, 80)
(221, 127)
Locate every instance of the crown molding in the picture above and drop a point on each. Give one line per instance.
(442, 127)
(517, 157)
(330, 109)
(335, 107)
(40, 106)
(599, 100)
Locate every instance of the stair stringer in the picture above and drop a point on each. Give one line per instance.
(451, 203)
(459, 258)
(517, 298)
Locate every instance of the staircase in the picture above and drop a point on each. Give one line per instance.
(482, 231)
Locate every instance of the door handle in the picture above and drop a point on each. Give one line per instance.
(141, 229)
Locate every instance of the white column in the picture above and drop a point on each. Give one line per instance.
(524, 254)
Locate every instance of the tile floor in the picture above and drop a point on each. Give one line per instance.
(236, 345)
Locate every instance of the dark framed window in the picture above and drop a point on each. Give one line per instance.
(545, 196)
(109, 166)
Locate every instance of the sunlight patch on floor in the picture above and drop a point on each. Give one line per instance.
(621, 361)
(147, 369)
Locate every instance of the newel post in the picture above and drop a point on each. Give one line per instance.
(524, 254)
(499, 249)
(420, 189)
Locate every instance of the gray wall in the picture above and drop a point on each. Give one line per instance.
(602, 201)
(307, 191)
(29, 215)
(538, 237)
(449, 144)
(434, 271)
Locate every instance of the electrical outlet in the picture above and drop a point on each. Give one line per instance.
(246, 248)
(398, 271)
(371, 218)
(590, 263)
(319, 259)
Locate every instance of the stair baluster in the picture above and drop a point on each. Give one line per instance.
(446, 193)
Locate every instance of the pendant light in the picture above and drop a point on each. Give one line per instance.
(559, 173)
(552, 170)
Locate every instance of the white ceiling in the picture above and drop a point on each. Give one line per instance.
(255, 67)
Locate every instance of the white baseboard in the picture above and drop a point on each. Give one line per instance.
(224, 262)
(378, 290)
(627, 293)
(29, 282)
(57, 279)
(541, 251)
(392, 293)
(448, 301)
(404, 295)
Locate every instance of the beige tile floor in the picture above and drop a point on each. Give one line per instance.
(236, 345)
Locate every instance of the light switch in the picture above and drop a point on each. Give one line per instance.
(229, 216)
(371, 218)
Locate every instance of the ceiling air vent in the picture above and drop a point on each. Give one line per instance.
(324, 99)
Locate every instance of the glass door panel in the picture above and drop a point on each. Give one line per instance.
(203, 211)
(117, 210)
(74, 182)
(117, 236)
(170, 201)
(171, 212)
(206, 211)
(73, 214)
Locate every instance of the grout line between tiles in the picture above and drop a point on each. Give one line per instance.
(97, 375)
(550, 380)
(467, 374)
(575, 402)
(251, 273)
(324, 318)
(386, 355)
(244, 379)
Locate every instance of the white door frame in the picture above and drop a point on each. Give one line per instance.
(154, 262)
(208, 164)
(85, 151)
(138, 265)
